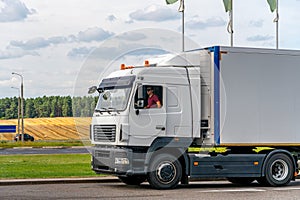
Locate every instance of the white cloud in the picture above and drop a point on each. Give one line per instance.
(94, 53)
(15, 53)
(111, 18)
(14, 10)
(58, 40)
(197, 23)
(258, 38)
(72, 38)
(89, 35)
(5, 83)
(35, 43)
(258, 23)
(93, 34)
(155, 13)
(132, 36)
(39, 42)
(81, 52)
(147, 52)
(130, 21)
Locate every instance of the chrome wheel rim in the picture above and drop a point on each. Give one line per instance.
(279, 169)
(166, 172)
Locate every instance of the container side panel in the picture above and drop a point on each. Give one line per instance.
(260, 95)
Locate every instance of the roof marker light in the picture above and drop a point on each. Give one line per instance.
(122, 67)
(146, 63)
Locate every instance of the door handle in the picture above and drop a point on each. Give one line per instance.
(161, 127)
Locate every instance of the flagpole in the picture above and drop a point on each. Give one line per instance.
(231, 27)
(277, 28)
(229, 8)
(182, 10)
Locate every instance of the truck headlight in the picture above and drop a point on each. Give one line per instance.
(121, 161)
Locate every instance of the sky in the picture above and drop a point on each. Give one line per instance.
(61, 47)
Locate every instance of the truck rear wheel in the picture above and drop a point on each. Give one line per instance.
(278, 170)
(165, 172)
(132, 180)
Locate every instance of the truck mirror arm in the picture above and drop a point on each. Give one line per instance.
(92, 89)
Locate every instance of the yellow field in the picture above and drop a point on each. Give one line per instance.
(59, 128)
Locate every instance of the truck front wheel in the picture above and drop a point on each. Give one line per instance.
(165, 172)
(279, 170)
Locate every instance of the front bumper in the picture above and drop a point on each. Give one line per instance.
(117, 161)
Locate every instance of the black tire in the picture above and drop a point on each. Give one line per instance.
(241, 180)
(279, 170)
(165, 172)
(132, 180)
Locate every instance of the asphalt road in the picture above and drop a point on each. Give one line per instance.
(219, 190)
(14, 151)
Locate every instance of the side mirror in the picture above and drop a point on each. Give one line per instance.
(92, 90)
(139, 104)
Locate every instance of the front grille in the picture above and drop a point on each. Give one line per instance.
(104, 133)
(102, 154)
(121, 154)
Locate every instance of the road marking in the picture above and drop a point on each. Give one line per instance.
(233, 190)
(287, 188)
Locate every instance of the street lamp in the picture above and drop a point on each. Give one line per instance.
(19, 99)
(22, 110)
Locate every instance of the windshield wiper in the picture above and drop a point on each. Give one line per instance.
(105, 109)
(99, 111)
(102, 110)
(114, 109)
(109, 110)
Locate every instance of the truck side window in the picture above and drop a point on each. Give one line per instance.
(148, 96)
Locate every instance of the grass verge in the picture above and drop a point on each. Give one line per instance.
(63, 143)
(45, 166)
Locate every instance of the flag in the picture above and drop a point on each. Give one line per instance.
(272, 4)
(181, 7)
(171, 1)
(228, 5)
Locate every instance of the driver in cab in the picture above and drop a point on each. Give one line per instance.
(153, 101)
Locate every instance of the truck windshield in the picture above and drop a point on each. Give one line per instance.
(114, 93)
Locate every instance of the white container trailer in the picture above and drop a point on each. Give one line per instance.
(260, 102)
(225, 112)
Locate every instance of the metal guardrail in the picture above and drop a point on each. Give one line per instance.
(8, 128)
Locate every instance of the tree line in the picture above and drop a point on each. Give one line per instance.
(52, 106)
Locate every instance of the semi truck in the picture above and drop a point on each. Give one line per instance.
(225, 112)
